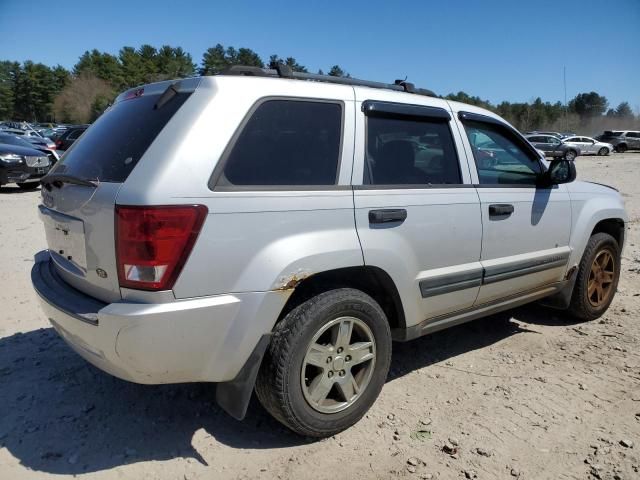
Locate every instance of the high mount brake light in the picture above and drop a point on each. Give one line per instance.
(153, 243)
(134, 94)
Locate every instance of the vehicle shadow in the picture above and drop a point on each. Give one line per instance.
(58, 414)
(449, 343)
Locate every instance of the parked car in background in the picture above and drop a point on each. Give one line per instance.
(25, 142)
(589, 146)
(49, 132)
(536, 132)
(70, 135)
(23, 166)
(622, 140)
(42, 141)
(22, 133)
(54, 133)
(45, 144)
(553, 146)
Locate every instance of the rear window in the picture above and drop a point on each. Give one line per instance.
(110, 149)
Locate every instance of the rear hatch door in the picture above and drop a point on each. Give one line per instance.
(79, 194)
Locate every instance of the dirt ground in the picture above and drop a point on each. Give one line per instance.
(527, 394)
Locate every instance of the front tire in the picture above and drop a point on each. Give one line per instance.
(603, 151)
(326, 364)
(571, 155)
(597, 279)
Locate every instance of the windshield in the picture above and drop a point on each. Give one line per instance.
(110, 149)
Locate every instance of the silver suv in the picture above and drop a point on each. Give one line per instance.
(273, 230)
(622, 140)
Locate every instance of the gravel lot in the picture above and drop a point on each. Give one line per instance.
(525, 394)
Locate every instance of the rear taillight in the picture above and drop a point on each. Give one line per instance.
(153, 243)
(58, 143)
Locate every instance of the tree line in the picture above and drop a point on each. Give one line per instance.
(37, 92)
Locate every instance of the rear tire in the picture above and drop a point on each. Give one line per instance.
(621, 148)
(603, 151)
(597, 279)
(319, 376)
(28, 186)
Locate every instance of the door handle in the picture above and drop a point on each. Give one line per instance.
(387, 215)
(500, 210)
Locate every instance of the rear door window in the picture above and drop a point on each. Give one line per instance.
(113, 145)
(286, 142)
(410, 151)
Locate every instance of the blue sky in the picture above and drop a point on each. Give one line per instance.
(497, 49)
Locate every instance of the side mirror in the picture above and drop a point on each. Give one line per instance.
(559, 171)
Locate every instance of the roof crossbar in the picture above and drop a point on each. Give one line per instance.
(284, 71)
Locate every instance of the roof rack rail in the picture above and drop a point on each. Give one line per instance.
(284, 71)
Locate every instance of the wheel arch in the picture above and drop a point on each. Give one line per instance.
(612, 226)
(373, 281)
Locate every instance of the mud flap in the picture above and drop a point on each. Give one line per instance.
(562, 299)
(234, 396)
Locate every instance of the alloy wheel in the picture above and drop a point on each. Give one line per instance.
(601, 277)
(338, 364)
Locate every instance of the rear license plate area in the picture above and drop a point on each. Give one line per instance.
(65, 237)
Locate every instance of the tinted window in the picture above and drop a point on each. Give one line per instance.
(410, 152)
(112, 146)
(633, 134)
(287, 142)
(74, 134)
(506, 161)
(536, 139)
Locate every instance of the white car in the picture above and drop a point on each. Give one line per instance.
(590, 146)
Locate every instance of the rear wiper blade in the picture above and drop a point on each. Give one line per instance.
(57, 179)
(167, 95)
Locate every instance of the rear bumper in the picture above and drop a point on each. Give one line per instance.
(205, 339)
